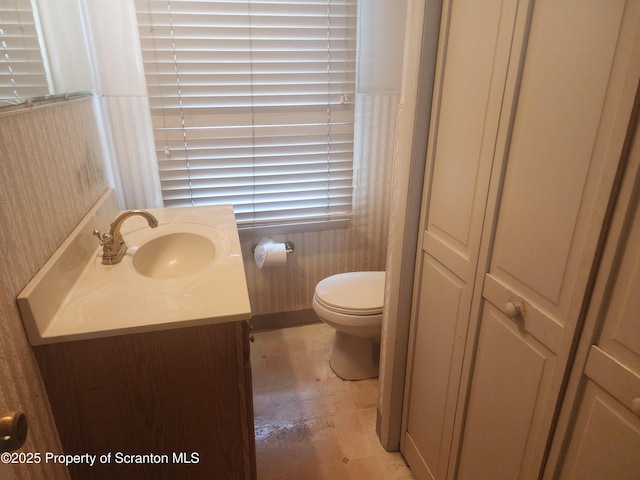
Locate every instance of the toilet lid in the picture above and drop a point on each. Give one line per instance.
(361, 293)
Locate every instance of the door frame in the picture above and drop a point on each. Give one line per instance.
(421, 45)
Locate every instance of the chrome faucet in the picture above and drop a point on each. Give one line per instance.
(113, 246)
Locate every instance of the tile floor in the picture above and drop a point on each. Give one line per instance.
(309, 423)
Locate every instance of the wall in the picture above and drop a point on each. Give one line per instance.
(62, 34)
(381, 26)
(52, 173)
(114, 47)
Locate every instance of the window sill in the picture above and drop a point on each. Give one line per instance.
(251, 231)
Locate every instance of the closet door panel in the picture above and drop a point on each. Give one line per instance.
(442, 300)
(552, 175)
(535, 320)
(605, 442)
(620, 337)
(511, 382)
(469, 107)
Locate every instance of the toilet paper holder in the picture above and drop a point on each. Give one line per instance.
(288, 246)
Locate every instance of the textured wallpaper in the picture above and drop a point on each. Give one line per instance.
(51, 171)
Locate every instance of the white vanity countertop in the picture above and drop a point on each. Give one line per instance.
(74, 296)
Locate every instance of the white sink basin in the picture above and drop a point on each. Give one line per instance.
(188, 271)
(174, 255)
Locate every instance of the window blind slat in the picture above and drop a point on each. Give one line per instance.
(252, 104)
(295, 8)
(22, 69)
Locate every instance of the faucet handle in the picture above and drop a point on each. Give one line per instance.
(103, 237)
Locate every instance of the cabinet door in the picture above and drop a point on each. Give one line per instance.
(474, 53)
(566, 137)
(179, 394)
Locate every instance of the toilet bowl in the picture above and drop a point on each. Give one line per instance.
(352, 303)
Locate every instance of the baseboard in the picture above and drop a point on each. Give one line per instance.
(415, 461)
(274, 321)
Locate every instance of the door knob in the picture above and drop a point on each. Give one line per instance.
(512, 309)
(13, 431)
(635, 406)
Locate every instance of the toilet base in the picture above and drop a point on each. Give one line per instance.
(355, 358)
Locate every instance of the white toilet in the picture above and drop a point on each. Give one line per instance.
(352, 304)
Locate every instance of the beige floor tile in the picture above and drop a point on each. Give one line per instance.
(334, 471)
(309, 423)
(347, 422)
(356, 445)
(365, 468)
(367, 418)
(393, 466)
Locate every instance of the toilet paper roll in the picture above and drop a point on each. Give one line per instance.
(276, 256)
(270, 254)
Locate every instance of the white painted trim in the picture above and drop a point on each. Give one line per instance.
(421, 37)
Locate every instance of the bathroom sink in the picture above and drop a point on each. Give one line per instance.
(187, 271)
(174, 255)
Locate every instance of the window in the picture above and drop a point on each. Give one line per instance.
(22, 70)
(252, 104)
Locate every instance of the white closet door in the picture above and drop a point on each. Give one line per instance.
(605, 442)
(474, 54)
(571, 116)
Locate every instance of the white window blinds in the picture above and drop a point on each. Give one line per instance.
(252, 104)
(22, 70)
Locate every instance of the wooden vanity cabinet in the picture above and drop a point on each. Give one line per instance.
(158, 405)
